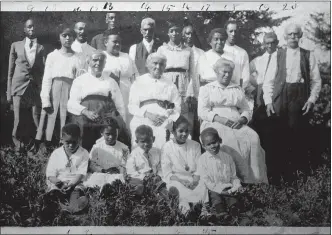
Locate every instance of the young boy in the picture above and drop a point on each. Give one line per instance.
(65, 171)
(108, 157)
(217, 170)
(144, 162)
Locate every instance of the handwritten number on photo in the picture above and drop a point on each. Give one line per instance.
(108, 6)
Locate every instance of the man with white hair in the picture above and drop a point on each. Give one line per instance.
(139, 52)
(293, 91)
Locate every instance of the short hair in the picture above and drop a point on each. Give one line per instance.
(109, 122)
(179, 121)
(148, 21)
(155, 55)
(223, 62)
(173, 23)
(217, 30)
(143, 130)
(208, 132)
(272, 35)
(75, 25)
(25, 22)
(297, 26)
(71, 129)
(109, 32)
(96, 52)
(228, 22)
(65, 28)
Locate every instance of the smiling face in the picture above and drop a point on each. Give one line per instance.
(224, 74)
(29, 29)
(217, 43)
(110, 135)
(181, 133)
(113, 44)
(293, 35)
(97, 64)
(174, 34)
(70, 143)
(211, 143)
(111, 20)
(80, 32)
(188, 33)
(147, 31)
(156, 67)
(231, 33)
(66, 38)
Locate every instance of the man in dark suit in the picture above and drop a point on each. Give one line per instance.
(139, 52)
(26, 67)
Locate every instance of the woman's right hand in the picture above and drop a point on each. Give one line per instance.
(155, 118)
(224, 121)
(91, 115)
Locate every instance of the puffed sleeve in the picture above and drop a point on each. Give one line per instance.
(204, 106)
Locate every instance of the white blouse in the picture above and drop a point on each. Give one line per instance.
(229, 102)
(145, 88)
(103, 156)
(88, 84)
(177, 57)
(175, 158)
(217, 171)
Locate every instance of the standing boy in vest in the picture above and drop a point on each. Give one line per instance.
(291, 95)
(139, 52)
(25, 72)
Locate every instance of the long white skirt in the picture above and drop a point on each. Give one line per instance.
(100, 179)
(244, 146)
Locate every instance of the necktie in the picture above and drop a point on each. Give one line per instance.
(259, 97)
(31, 44)
(267, 65)
(147, 155)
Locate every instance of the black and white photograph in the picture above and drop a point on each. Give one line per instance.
(165, 117)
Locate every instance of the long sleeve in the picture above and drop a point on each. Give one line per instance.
(193, 86)
(94, 166)
(11, 69)
(268, 87)
(134, 102)
(244, 108)
(51, 169)
(132, 52)
(315, 79)
(47, 82)
(74, 103)
(166, 164)
(204, 70)
(117, 98)
(134, 69)
(234, 179)
(204, 108)
(131, 167)
(82, 168)
(246, 70)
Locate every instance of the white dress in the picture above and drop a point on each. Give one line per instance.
(181, 161)
(242, 144)
(103, 156)
(147, 88)
(124, 67)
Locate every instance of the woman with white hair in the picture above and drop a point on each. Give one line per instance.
(154, 100)
(222, 105)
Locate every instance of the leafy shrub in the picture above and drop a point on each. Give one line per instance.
(306, 202)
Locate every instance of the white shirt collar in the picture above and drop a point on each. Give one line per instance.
(217, 84)
(78, 42)
(28, 40)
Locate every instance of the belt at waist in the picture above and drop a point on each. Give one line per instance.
(64, 79)
(164, 104)
(179, 70)
(97, 97)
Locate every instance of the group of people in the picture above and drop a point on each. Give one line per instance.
(143, 114)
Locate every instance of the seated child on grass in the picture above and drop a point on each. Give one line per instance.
(144, 163)
(65, 171)
(179, 160)
(217, 170)
(108, 157)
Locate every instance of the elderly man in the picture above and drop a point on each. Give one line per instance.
(80, 44)
(25, 72)
(112, 23)
(238, 55)
(139, 52)
(94, 97)
(293, 92)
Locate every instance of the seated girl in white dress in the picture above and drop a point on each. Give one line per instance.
(108, 157)
(179, 159)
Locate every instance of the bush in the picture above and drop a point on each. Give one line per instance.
(306, 202)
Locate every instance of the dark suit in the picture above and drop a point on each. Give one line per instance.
(24, 81)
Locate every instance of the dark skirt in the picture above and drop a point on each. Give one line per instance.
(104, 107)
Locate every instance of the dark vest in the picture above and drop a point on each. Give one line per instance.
(142, 55)
(280, 79)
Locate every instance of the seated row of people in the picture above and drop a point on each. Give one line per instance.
(179, 170)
